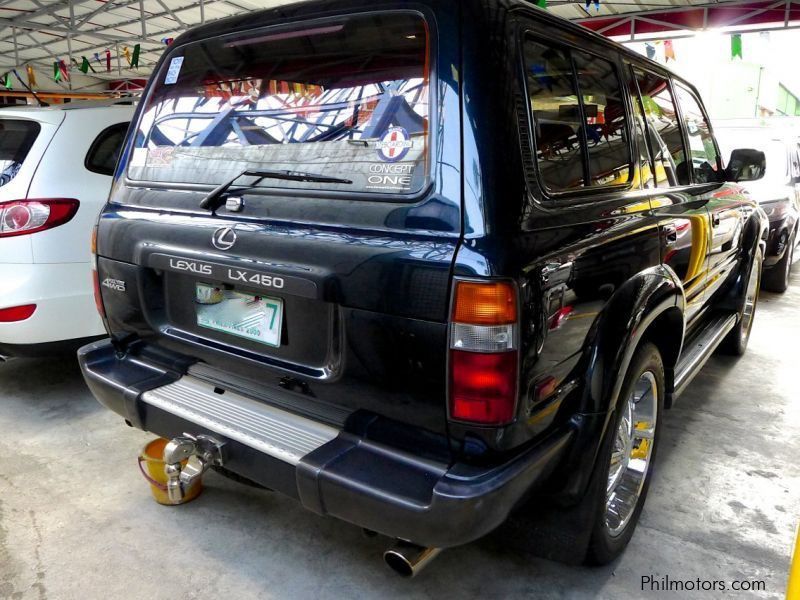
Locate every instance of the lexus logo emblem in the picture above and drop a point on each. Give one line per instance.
(224, 238)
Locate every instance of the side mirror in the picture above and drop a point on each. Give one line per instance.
(746, 165)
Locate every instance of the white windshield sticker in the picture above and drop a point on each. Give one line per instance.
(394, 144)
(174, 70)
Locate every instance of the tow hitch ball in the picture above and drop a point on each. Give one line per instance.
(200, 453)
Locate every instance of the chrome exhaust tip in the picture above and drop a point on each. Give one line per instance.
(407, 559)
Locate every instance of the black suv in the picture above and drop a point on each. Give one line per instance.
(421, 266)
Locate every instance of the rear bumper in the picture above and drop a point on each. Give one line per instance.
(365, 483)
(62, 293)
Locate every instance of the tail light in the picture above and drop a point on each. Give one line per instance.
(16, 313)
(98, 297)
(483, 353)
(23, 217)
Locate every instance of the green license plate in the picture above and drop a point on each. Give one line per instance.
(256, 318)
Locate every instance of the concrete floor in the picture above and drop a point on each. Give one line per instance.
(77, 520)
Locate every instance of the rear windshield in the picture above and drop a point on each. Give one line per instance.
(345, 99)
(16, 140)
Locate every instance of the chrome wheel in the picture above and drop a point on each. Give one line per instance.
(751, 298)
(631, 453)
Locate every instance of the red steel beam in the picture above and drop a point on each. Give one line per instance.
(694, 18)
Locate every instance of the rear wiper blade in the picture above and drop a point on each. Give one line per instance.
(214, 199)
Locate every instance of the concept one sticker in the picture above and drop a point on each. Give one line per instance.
(394, 145)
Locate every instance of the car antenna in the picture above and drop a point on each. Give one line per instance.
(34, 94)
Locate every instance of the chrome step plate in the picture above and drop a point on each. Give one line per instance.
(695, 355)
(278, 433)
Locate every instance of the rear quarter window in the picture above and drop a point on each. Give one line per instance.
(16, 140)
(579, 118)
(345, 98)
(104, 151)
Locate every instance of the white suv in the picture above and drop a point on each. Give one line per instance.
(56, 166)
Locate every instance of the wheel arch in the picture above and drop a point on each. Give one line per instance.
(754, 236)
(666, 333)
(649, 307)
(654, 302)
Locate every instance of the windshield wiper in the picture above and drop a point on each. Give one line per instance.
(214, 199)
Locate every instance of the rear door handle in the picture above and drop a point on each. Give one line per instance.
(715, 220)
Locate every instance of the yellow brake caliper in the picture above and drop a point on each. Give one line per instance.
(641, 450)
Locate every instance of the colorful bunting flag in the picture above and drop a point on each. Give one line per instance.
(541, 3)
(56, 72)
(108, 60)
(736, 45)
(86, 65)
(650, 49)
(135, 59)
(126, 52)
(167, 41)
(64, 68)
(7, 83)
(669, 51)
(31, 76)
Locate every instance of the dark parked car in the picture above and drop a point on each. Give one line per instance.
(778, 193)
(421, 267)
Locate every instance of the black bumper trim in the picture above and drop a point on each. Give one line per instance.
(351, 478)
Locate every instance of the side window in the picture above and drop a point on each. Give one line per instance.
(604, 110)
(104, 151)
(663, 130)
(705, 159)
(556, 116)
(16, 140)
(579, 118)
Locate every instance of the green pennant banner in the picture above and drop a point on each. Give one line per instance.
(84, 66)
(9, 85)
(135, 60)
(736, 45)
(541, 3)
(56, 72)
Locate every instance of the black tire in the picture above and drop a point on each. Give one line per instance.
(603, 546)
(238, 478)
(735, 343)
(776, 278)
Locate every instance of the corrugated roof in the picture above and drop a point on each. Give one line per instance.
(49, 30)
(46, 31)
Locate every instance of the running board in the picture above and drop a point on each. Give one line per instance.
(278, 433)
(701, 348)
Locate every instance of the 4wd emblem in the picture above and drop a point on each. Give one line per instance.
(394, 145)
(114, 284)
(224, 238)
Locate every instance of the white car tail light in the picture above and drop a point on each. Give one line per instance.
(24, 217)
(17, 313)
